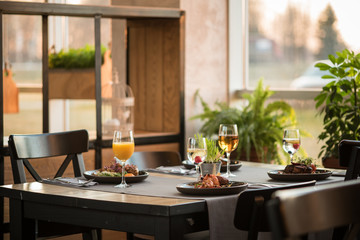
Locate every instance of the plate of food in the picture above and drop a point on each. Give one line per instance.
(112, 174)
(212, 185)
(300, 170)
(234, 165)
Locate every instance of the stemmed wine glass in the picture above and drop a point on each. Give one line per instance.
(228, 141)
(123, 148)
(291, 141)
(196, 151)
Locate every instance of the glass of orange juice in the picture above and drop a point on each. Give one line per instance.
(123, 147)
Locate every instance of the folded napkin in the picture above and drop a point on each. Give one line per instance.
(79, 182)
(339, 173)
(180, 170)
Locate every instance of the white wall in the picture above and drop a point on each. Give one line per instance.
(206, 58)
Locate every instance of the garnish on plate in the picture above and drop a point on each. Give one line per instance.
(115, 170)
(301, 165)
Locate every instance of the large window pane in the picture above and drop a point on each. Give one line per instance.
(29, 119)
(23, 55)
(286, 38)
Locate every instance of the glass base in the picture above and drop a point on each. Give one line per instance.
(228, 175)
(122, 185)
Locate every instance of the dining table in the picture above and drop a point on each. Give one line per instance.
(153, 206)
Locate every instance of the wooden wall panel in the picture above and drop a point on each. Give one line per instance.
(171, 76)
(154, 74)
(137, 81)
(154, 81)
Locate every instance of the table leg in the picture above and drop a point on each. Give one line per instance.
(20, 228)
(169, 229)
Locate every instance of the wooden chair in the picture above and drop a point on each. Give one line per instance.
(295, 213)
(144, 160)
(250, 213)
(26, 148)
(349, 157)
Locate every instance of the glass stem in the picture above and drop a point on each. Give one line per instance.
(122, 173)
(197, 172)
(228, 164)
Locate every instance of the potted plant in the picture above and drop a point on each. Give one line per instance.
(260, 125)
(72, 73)
(339, 103)
(212, 162)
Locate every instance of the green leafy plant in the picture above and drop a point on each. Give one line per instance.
(339, 101)
(213, 153)
(260, 125)
(75, 58)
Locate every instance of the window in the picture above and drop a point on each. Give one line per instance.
(280, 41)
(286, 38)
(22, 53)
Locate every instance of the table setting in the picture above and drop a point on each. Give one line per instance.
(220, 207)
(192, 180)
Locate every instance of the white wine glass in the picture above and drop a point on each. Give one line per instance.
(196, 152)
(123, 147)
(291, 141)
(228, 141)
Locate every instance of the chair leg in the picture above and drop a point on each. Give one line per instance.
(99, 234)
(353, 232)
(90, 235)
(339, 232)
(129, 236)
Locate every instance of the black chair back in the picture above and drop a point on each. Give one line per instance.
(349, 156)
(250, 214)
(33, 146)
(298, 212)
(71, 144)
(144, 160)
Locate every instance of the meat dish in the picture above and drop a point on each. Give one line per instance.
(212, 181)
(115, 170)
(301, 166)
